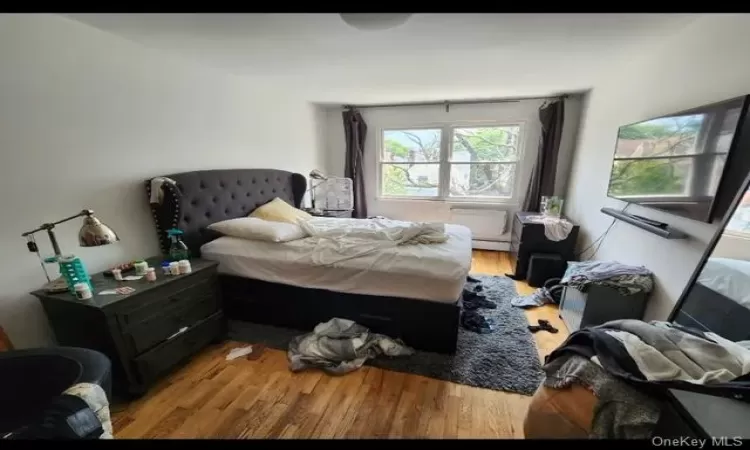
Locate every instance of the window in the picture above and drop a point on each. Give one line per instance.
(472, 162)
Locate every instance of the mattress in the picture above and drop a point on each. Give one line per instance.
(728, 277)
(433, 272)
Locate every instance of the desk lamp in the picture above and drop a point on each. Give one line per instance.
(93, 233)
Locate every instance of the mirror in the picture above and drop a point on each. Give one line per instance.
(718, 297)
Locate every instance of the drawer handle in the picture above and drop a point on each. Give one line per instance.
(179, 332)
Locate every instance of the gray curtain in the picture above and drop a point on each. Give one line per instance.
(542, 182)
(355, 132)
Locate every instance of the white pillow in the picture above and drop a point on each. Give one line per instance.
(259, 230)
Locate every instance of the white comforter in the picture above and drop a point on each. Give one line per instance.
(334, 240)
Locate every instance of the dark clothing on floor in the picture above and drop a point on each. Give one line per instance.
(473, 299)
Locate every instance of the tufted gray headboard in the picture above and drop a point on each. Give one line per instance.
(206, 196)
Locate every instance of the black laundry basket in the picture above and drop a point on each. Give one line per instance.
(599, 304)
(543, 266)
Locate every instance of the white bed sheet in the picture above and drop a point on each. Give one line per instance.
(435, 272)
(729, 277)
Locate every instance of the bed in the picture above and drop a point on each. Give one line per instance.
(729, 277)
(413, 294)
(719, 300)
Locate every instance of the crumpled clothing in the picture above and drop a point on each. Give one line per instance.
(656, 356)
(341, 346)
(555, 228)
(96, 398)
(157, 191)
(540, 297)
(622, 411)
(627, 280)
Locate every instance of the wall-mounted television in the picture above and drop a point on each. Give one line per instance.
(676, 163)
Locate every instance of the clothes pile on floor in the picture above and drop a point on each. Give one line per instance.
(473, 299)
(551, 292)
(629, 363)
(627, 280)
(341, 346)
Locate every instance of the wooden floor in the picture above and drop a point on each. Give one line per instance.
(214, 398)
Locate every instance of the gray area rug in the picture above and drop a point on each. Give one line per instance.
(504, 360)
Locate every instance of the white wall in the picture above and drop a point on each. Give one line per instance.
(86, 116)
(705, 62)
(378, 119)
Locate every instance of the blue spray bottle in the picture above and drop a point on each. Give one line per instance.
(177, 249)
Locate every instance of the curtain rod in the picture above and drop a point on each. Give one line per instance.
(446, 103)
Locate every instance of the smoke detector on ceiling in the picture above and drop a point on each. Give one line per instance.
(374, 21)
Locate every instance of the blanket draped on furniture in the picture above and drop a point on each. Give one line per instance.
(657, 356)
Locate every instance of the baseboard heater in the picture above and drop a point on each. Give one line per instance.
(652, 226)
(487, 226)
(500, 246)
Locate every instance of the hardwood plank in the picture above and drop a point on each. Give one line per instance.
(338, 405)
(211, 397)
(165, 427)
(452, 409)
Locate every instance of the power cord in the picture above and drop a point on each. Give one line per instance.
(600, 239)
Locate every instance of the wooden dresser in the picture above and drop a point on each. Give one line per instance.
(145, 333)
(528, 238)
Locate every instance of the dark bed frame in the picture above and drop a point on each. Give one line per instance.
(201, 198)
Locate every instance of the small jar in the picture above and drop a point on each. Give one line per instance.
(140, 268)
(117, 273)
(174, 268)
(185, 266)
(83, 291)
(151, 274)
(165, 267)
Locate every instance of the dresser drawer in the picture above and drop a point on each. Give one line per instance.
(165, 356)
(157, 328)
(191, 289)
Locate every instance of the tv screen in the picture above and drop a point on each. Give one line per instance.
(675, 163)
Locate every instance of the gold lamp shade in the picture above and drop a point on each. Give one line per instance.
(94, 233)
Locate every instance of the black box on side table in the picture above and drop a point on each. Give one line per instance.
(145, 333)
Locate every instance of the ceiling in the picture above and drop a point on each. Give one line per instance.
(431, 56)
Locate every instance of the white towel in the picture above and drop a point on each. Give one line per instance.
(555, 228)
(157, 188)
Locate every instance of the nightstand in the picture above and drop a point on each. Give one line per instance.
(345, 214)
(145, 333)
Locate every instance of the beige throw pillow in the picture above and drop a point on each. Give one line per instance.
(258, 229)
(277, 210)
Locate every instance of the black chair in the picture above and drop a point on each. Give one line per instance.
(30, 379)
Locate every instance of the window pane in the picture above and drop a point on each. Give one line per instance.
(492, 144)
(650, 177)
(677, 135)
(411, 145)
(482, 180)
(419, 180)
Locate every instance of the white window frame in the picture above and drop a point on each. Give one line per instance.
(446, 147)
